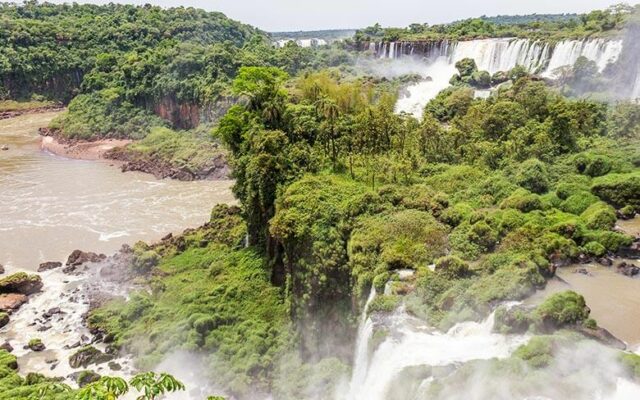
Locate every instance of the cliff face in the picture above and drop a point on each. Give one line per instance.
(60, 87)
(188, 115)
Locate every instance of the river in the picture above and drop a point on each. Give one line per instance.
(50, 205)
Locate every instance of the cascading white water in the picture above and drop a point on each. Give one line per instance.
(566, 53)
(636, 87)
(411, 342)
(495, 55)
(361, 358)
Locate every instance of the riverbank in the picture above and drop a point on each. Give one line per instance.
(163, 153)
(12, 109)
(81, 150)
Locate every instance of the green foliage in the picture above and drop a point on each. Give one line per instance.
(560, 310)
(595, 249)
(533, 176)
(400, 240)
(105, 115)
(618, 190)
(384, 304)
(214, 298)
(153, 385)
(452, 267)
(550, 27)
(599, 216)
(190, 153)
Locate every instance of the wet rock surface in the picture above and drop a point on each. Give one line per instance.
(79, 257)
(84, 378)
(47, 266)
(12, 301)
(628, 269)
(87, 356)
(4, 319)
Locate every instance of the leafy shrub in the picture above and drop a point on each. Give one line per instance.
(533, 176)
(452, 267)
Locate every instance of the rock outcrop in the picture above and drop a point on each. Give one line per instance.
(46, 266)
(21, 283)
(10, 302)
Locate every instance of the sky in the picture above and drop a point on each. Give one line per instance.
(295, 15)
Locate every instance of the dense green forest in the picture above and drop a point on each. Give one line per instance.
(594, 24)
(337, 191)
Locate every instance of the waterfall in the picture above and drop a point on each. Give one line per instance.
(361, 357)
(410, 343)
(411, 346)
(566, 53)
(493, 55)
(635, 94)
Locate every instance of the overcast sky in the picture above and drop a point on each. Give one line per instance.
(292, 15)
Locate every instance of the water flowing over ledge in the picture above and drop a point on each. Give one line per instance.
(492, 55)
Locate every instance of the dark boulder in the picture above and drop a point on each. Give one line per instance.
(79, 257)
(49, 266)
(512, 320)
(4, 319)
(6, 346)
(601, 335)
(84, 378)
(86, 356)
(627, 269)
(582, 271)
(632, 251)
(605, 261)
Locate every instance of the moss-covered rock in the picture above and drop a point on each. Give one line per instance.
(452, 267)
(36, 345)
(533, 176)
(579, 202)
(595, 249)
(619, 190)
(22, 283)
(512, 320)
(523, 200)
(84, 378)
(560, 310)
(599, 216)
(86, 356)
(384, 304)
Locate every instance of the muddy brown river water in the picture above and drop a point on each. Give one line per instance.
(50, 206)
